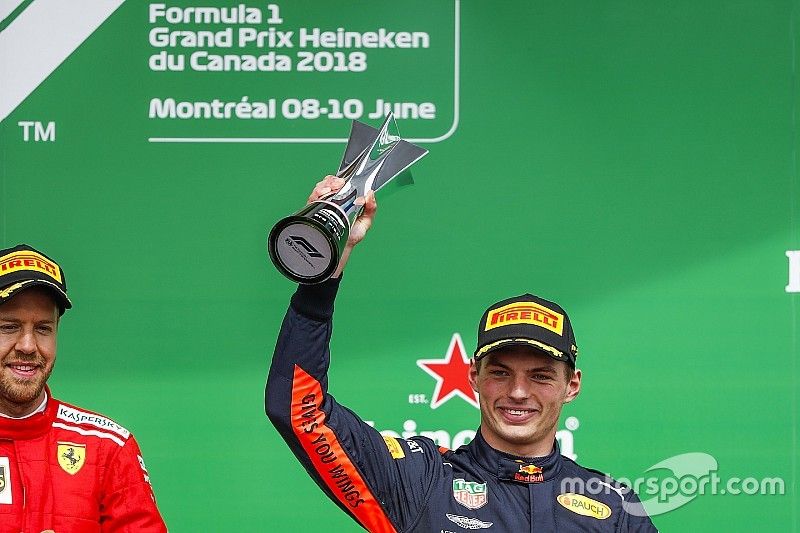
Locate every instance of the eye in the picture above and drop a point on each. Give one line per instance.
(44, 329)
(8, 328)
(542, 377)
(498, 373)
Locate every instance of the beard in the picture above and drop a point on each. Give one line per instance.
(22, 391)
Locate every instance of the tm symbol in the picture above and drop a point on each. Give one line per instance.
(41, 132)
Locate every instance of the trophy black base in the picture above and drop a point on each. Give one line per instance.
(306, 247)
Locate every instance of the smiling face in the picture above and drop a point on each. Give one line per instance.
(28, 326)
(521, 394)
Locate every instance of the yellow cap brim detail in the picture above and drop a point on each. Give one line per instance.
(542, 346)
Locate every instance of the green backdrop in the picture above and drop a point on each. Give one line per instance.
(635, 161)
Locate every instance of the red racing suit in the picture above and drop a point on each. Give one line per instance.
(70, 470)
(393, 485)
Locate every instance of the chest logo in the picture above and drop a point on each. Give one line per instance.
(529, 473)
(580, 504)
(71, 456)
(5, 481)
(468, 523)
(470, 494)
(394, 447)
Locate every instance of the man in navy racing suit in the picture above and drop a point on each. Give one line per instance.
(511, 478)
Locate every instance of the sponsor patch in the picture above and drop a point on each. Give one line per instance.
(414, 447)
(81, 417)
(468, 523)
(5, 481)
(470, 494)
(525, 313)
(529, 473)
(580, 504)
(394, 447)
(27, 260)
(71, 456)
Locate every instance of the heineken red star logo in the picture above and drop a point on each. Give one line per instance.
(451, 374)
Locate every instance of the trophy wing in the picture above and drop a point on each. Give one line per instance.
(404, 154)
(362, 137)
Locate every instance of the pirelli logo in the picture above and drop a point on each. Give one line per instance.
(25, 260)
(525, 313)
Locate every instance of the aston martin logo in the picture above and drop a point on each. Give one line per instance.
(468, 523)
(71, 456)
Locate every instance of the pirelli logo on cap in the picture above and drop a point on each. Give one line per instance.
(27, 260)
(525, 313)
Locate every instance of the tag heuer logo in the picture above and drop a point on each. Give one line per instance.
(470, 494)
(468, 523)
(71, 456)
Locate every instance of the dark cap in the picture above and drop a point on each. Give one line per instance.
(527, 320)
(22, 267)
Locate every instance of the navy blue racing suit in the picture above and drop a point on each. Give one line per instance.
(404, 485)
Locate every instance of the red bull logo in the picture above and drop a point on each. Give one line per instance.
(529, 473)
(530, 469)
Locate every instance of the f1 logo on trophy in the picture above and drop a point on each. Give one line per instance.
(306, 246)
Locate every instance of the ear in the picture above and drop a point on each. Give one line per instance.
(573, 387)
(473, 376)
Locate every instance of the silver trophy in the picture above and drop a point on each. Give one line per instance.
(306, 246)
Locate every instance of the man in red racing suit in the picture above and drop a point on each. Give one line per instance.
(72, 470)
(404, 485)
(63, 469)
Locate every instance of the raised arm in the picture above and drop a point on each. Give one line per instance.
(379, 482)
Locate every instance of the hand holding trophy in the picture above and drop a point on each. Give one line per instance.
(306, 246)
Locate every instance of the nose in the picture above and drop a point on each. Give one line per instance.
(519, 388)
(26, 343)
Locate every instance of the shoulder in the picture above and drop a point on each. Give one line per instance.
(571, 468)
(72, 418)
(581, 485)
(414, 446)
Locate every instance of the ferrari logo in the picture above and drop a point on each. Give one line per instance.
(71, 456)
